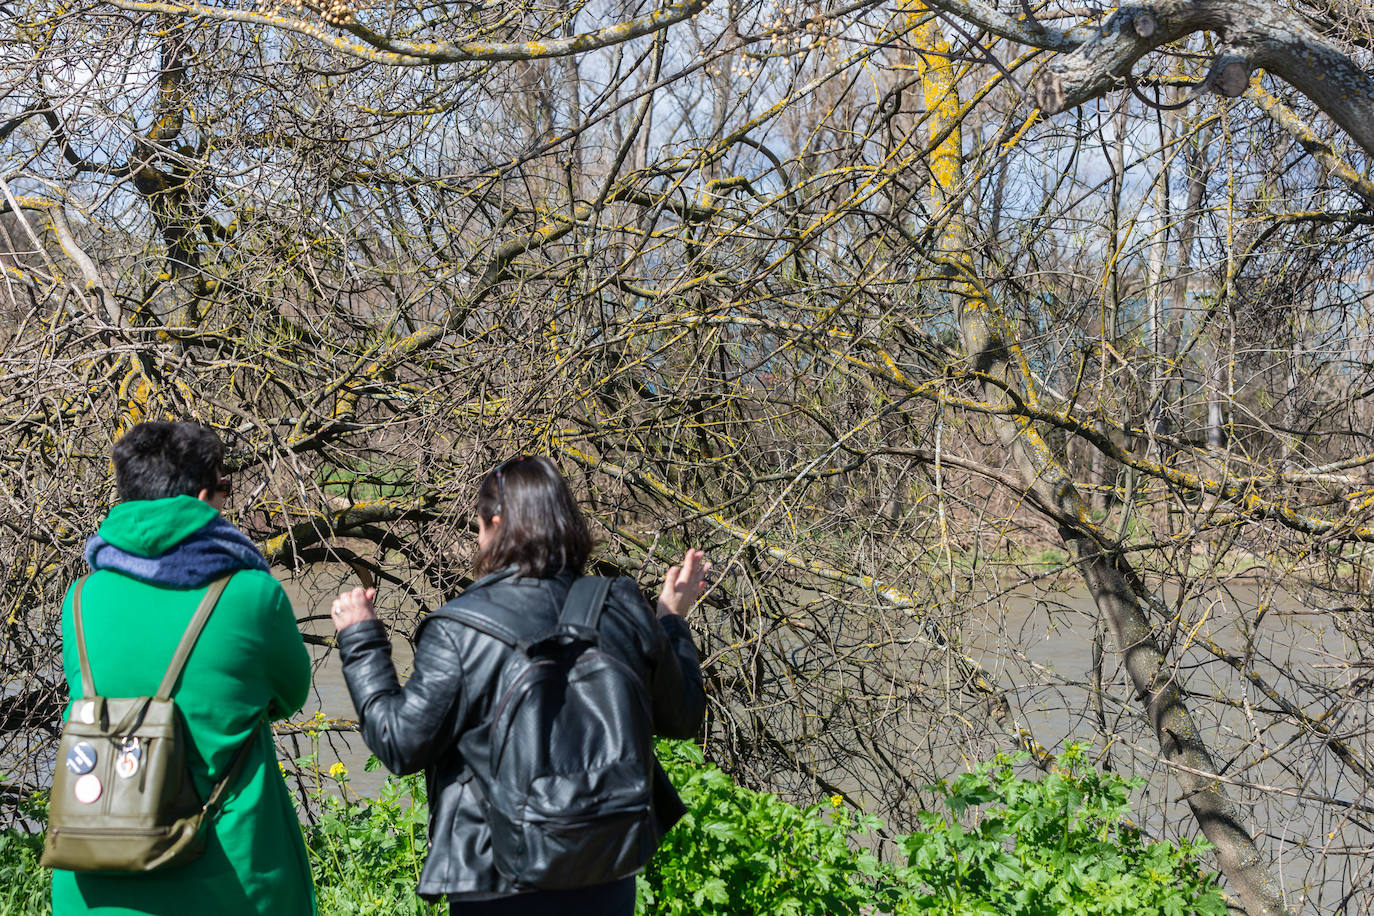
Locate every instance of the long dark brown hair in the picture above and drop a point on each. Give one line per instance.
(542, 531)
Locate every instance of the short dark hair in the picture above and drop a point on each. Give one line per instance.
(542, 530)
(159, 459)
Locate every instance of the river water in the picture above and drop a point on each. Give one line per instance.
(1042, 641)
(311, 592)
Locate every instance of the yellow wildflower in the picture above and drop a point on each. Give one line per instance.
(836, 801)
(338, 771)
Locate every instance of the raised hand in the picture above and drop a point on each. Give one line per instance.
(684, 584)
(353, 607)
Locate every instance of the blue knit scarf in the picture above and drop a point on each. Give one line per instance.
(211, 552)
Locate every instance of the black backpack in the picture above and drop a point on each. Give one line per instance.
(568, 787)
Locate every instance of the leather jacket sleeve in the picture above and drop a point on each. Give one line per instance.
(406, 727)
(675, 686)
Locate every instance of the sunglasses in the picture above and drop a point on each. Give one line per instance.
(500, 480)
(224, 485)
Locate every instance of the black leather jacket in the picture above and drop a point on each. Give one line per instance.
(417, 726)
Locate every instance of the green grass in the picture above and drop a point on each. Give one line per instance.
(364, 484)
(24, 886)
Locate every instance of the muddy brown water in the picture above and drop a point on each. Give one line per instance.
(1042, 642)
(311, 594)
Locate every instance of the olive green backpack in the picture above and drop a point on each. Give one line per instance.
(122, 797)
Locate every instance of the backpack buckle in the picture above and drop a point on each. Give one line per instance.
(564, 636)
(576, 632)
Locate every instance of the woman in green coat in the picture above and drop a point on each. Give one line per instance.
(152, 559)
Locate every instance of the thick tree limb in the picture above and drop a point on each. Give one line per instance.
(1319, 149)
(282, 547)
(1256, 34)
(993, 348)
(1024, 29)
(377, 48)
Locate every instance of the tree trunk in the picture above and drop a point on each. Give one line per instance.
(992, 349)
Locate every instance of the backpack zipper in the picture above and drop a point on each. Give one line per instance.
(108, 831)
(510, 695)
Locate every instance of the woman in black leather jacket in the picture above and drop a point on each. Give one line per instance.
(532, 542)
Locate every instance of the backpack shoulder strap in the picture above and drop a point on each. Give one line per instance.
(213, 801)
(188, 639)
(87, 679)
(481, 622)
(586, 598)
(581, 608)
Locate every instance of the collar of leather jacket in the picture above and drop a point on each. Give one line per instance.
(512, 573)
(528, 606)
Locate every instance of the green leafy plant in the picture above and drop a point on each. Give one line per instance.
(1061, 844)
(366, 853)
(1006, 845)
(25, 887)
(738, 851)
(1010, 846)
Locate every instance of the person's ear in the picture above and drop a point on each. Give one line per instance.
(205, 495)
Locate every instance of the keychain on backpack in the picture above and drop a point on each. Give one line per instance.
(129, 756)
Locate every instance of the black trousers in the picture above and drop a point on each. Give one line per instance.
(614, 899)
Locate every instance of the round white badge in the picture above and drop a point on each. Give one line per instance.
(86, 712)
(87, 789)
(126, 765)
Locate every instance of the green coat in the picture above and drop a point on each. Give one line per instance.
(250, 659)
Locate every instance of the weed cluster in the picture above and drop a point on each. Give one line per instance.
(25, 888)
(366, 853)
(1007, 846)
